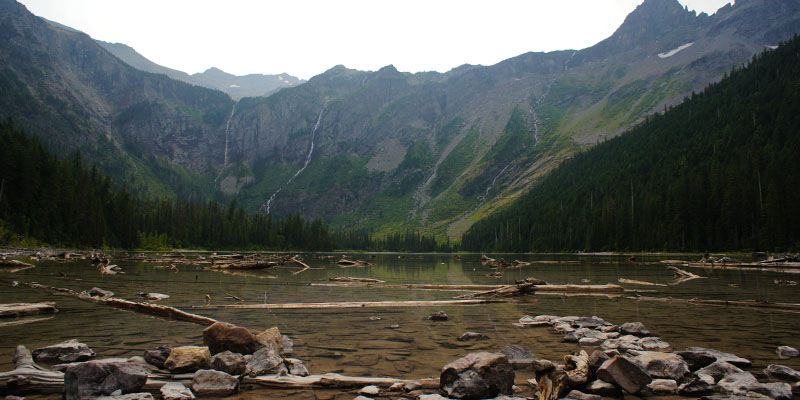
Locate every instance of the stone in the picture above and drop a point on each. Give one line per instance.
(718, 370)
(633, 328)
(590, 342)
(153, 296)
(271, 339)
(438, 316)
(97, 292)
(591, 322)
(477, 376)
(296, 367)
(590, 333)
(578, 395)
(207, 382)
(777, 391)
(472, 336)
(140, 361)
(224, 336)
(188, 359)
(431, 397)
(782, 372)
(652, 343)
(363, 398)
(176, 391)
(539, 320)
(694, 356)
(662, 365)
(596, 359)
(785, 352)
(396, 387)
(663, 386)
(518, 356)
(563, 327)
(412, 386)
(737, 383)
(698, 386)
(263, 361)
(571, 337)
(602, 388)
(66, 352)
(370, 390)
(624, 373)
(288, 345)
(157, 356)
(129, 396)
(228, 361)
(103, 378)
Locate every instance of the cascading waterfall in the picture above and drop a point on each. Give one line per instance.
(265, 208)
(227, 135)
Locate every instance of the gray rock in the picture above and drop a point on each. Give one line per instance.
(224, 336)
(207, 382)
(130, 396)
(518, 356)
(590, 342)
(652, 343)
(438, 316)
(263, 361)
(396, 387)
(696, 356)
(634, 328)
(777, 391)
(287, 345)
(472, 336)
(785, 352)
(698, 386)
(571, 337)
(783, 373)
(748, 396)
(563, 327)
(663, 386)
(363, 398)
(737, 383)
(596, 359)
(296, 367)
(602, 388)
(230, 362)
(157, 356)
(153, 296)
(624, 373)
(477, 376)
(718, 370)
(97, 292)
(591, 322)
(578, 395)
(431, 397)
(590, 333)
(662, 365)
(370, 390)
(65, 352)
(412, 386)
(103, 378)
(176, 391)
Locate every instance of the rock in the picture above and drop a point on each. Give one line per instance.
(66, 352)
(472, 336)
(153, 296)
(97, 292)
(271, 339)
(590, 333)
(785, 352)
(571, 337)
(431, 397)
(130, 396)
(622, 344)
(288, 345)
(224, 336)
(230, 362)
(652, 343)
(698, 386)
(602, 388)
(591, 322)
(539, 320)
(157, 356)
(596, 359)
(176, 391)
(188, 359)
(633, 328)
(207, 382)
(412, 386)
(563, 327)
(263, 361)
(662, 365)
(296, 367)
(577, 395)
(718, 370)
(370, 390)
(737, 383)
(363, 398)
(748, 396)
(477, 376)
(782, 372)
(518, 356)
(590, 342)
(663, 386)
(696, 356)
(777, 391)
(103, 378)
(438, 316)
(396, 387)
(624, 373)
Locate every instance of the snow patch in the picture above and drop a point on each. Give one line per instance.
(234, 86)
(770, 47)
(675, 51)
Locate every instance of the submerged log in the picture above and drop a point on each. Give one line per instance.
(354, 304)
(681, 275)
(351, 279)
(296, 259)
(244, 265)
(635, 282)
(21, 309)
(520, 289)
(333, 381)
(29, 378)
(539, 288)
(13, 263)
(354, 263)
(788, 307)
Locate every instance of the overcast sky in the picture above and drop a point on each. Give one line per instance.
(306, 37)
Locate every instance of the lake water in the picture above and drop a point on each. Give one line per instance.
(362, 342)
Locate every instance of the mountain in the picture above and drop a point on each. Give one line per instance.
(381, 150)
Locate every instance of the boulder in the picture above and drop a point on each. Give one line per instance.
(370, 390)
(263, 361)
(596, 359)
(777, 391)
(288, 345)
(563, 327)
(718, 370)
(785, 352)
(228, 361)
(103, 378)
(622, 344)
(433, 396)
(737, 383)
(97, 292)
(224, 336)
(624, 373)
(661, 365)
(363, 398)
(207, 382)
(153, 296)
(438, 316)
(782, 373)
(518, 356)
(188, 359)
(578, 395)
(477, 376)
(65, 352)
(271, 339)
(602, 388)
(539, 320)
(634, 328)
(590, 342)
(697, 356)
(698, 386)
(472, 336)
(663, 386)
(157, 356)
(176, 391)
(129, 396)
(591, 322)
(590, 333)
(652, 343)
(296, 367)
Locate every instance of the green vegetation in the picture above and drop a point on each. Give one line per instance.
(719, 171)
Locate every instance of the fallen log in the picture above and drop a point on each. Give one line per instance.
(21, 309)
(504, 291)
(296, 260)
(351, 279)
(635, 282)
(681, 275)
(244, 265)
(354, 304)
(569, 288)
(787, 307)
(354, 263)
(14, 263)
(332, 381)
(29, 378)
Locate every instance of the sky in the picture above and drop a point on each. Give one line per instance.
(307, 37)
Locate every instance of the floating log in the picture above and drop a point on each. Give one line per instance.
(354, 304)
(21, 309)
(354, 263)
(14, 263)
(23, 321)
(520, 264)
(681, 275)
(351, 279)
(635, 282)
(29, 378)
(244, 265)
(296, 259)
(504, 291)
(332, 381)
(788, 307)
(569, 288)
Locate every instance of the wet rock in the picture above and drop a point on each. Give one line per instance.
(662, 365)
(652, 343)
(622, 344)
(698, 386)
(590, 333)
(188, 359)
(412, 386)
(224, 336)
(153, 296)
(472, 336)
(66, 352)
(263, 361)
(230, 362)
(477, 376)
(748, 396)
(431, 397)
(207, 382)
(563, 327)
(602, 388)
(396, 387)
(571, 337)
(782, 372)
(157, 356)
(737, 383)
(634, 328)
(518, 356)
(176, 391)
(591, 322)
(296, 367)
(663, 386)
(438, 316)
(363, 398)
(129, 396)
(596, 359)
(103, 378)
(578, 395)
(777, 391)
(590, 342)
(696, 356)
(785, 352)
(539, 320)
(271, 339)
(370, 390)
(287, 345)
(624, 373)
(97, 292)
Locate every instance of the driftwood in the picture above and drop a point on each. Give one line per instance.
(504, 291)
(244, 265)
(332, 381)
(145, 308)
(29, 378)
(351, 279)
(520, 264)
(354, 304)
(296, 259)
(765, 305)
(554, 381)
(569, 288)
(577, 367)
(635, 282)
(354, 263)
(14, 263)
(681, 275)
(22, 309)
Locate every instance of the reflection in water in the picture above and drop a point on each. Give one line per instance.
(399, 342)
